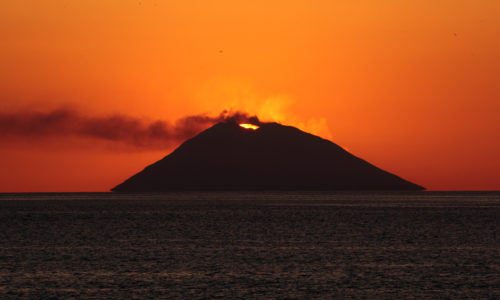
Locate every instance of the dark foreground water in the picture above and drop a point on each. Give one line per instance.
(250, 245)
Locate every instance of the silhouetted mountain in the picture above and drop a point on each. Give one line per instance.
(273, 157)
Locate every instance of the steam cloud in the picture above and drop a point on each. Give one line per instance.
(125, 129)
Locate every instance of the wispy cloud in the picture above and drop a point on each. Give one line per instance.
(119, 128)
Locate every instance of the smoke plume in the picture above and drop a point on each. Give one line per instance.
(132, 131)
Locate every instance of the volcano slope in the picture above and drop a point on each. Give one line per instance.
(228, 157)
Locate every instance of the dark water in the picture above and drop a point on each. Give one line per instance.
(250, 245)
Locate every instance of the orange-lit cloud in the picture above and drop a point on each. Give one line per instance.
(241, 96)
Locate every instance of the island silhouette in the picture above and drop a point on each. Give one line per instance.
(230, 156)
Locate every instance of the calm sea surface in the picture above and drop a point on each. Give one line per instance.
(250, 245)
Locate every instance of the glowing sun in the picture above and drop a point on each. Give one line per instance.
(249, 126)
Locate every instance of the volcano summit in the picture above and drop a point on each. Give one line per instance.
(268, 156)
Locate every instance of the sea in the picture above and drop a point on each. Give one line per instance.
(235, 245)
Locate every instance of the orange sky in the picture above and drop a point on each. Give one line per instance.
(411, 86)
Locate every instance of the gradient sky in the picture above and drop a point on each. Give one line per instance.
(411, 86)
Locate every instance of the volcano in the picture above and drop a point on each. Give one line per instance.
(264, 156)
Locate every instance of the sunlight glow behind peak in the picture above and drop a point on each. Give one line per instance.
(249, 126)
